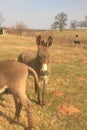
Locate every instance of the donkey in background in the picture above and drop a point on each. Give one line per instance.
(40, 61)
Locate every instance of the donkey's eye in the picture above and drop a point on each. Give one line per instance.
(39, 56)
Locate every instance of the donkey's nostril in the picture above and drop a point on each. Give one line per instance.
(43, 73)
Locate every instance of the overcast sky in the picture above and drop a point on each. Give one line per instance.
(39, 14)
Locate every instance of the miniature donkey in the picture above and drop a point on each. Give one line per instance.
(40, 61)
(14, 75)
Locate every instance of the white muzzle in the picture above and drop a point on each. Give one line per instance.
(44, 67)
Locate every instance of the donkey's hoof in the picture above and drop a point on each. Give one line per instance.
(38, 102)
(15, 120)
(43, 104)
(29, 128)
(12, 121)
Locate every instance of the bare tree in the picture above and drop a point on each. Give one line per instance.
(82, 24)
(74, 24)
(2, 19)
(86, 18)
(20, 28)
(54, 26)
(60, 21)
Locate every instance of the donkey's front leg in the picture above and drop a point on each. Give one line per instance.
(43, 93)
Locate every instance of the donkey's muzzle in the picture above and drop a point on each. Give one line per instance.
(44, 76)
(44, 73)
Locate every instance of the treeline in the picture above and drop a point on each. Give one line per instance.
(60, 23)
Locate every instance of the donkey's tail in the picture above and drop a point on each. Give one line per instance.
(33, 72)
(37, 89)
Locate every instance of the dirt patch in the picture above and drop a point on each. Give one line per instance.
(81, 79)
(58, 94)
(84, 61)
(68, 110)
(56, 60)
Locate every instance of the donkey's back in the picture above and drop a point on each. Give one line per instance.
(27, 57)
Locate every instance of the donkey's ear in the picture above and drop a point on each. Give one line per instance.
(49, 41)
(38, 40)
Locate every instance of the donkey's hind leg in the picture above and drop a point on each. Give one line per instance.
(37, 90)
(27, 105)
(18, 108)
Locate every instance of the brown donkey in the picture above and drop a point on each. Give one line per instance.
(40, 61)
(14, 75)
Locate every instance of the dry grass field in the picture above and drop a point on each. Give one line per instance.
(66, 93)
